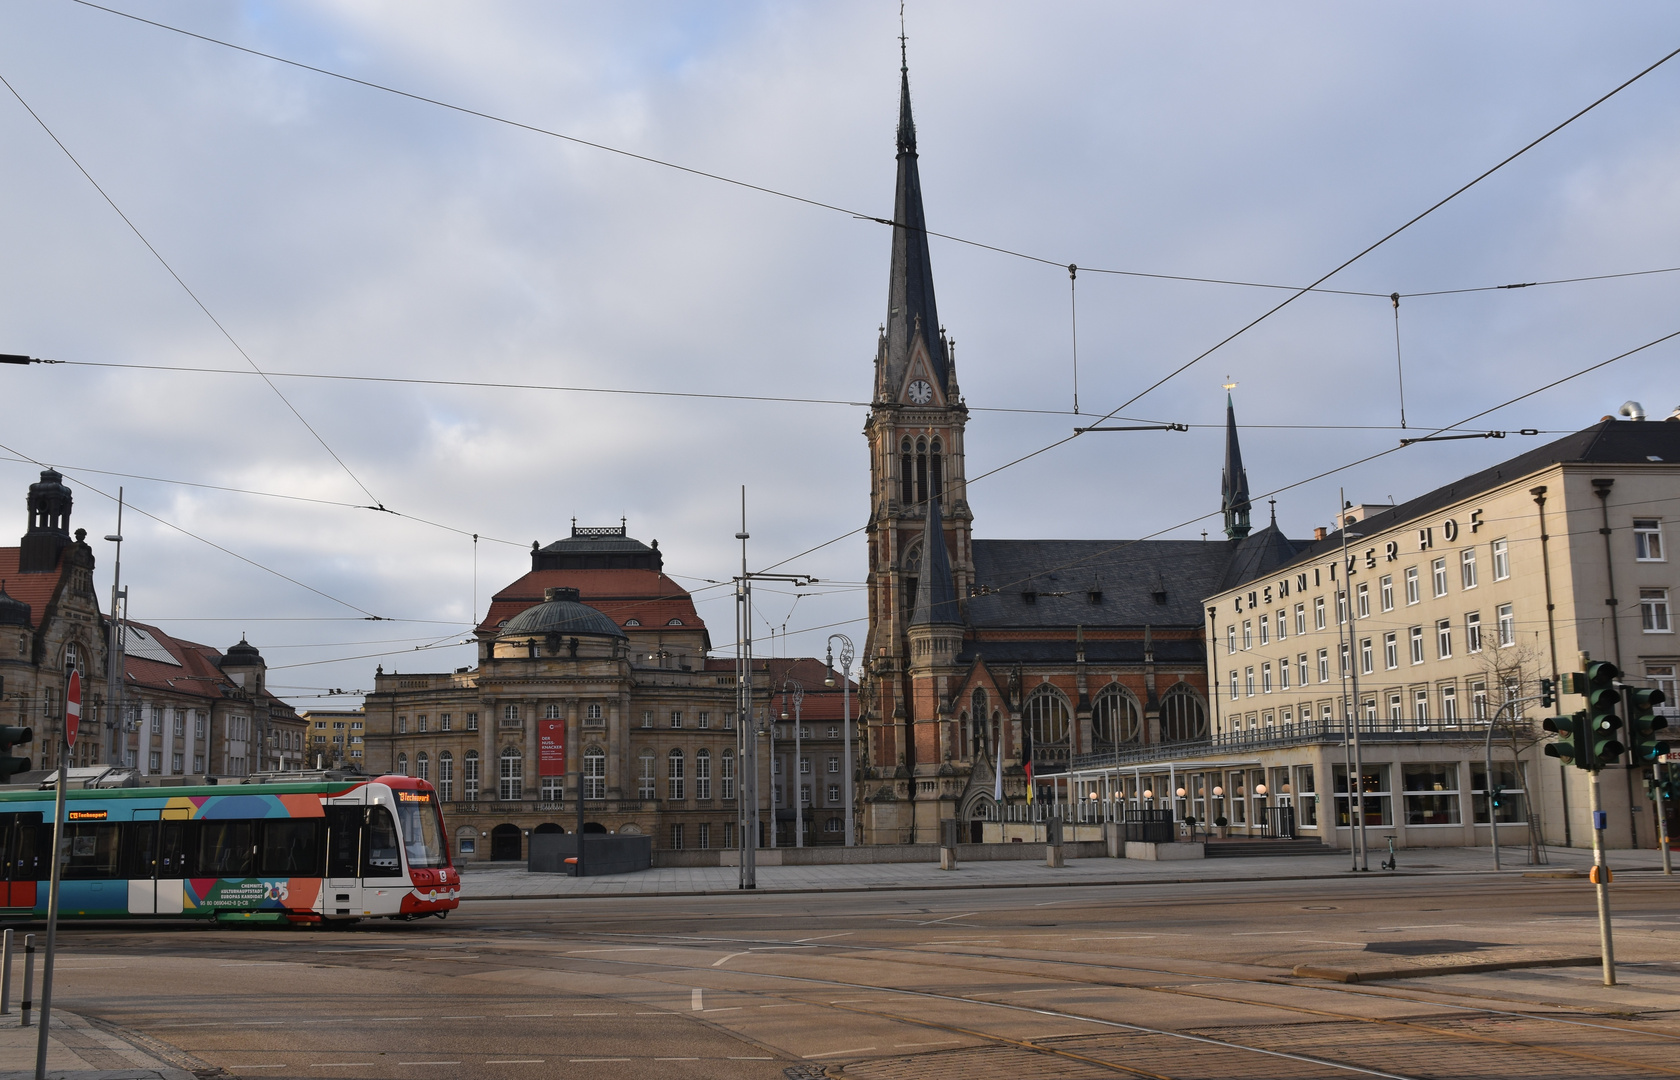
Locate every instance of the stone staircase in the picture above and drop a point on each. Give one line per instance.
(1242, 848)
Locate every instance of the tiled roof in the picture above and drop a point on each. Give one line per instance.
(1062, 575)
(196, 672)
(647, 596)
(36, 590)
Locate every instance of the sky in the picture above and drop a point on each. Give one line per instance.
(333, 229)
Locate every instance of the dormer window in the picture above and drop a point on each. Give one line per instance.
(675, 622)
(632, 622)
(1029, 597)
(1095, 596)
(1159, 596)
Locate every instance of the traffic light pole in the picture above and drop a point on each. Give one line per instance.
(1664, 772)
(1601, 883)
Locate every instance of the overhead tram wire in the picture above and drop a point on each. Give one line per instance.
(820, 204)
(188, 290)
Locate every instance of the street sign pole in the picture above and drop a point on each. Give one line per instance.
(1601, 884)
(72, 722)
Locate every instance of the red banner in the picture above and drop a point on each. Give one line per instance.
(551, 747)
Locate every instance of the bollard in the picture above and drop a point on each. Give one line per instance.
(28, 976)
(6, 974)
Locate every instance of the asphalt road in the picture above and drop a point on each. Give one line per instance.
(1156, 981)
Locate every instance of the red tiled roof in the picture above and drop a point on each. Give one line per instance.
(200, 673)
(647, 596)
(36, 590)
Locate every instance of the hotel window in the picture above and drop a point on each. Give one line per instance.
(155, 758)
(1647, 540)
(1653, 611)
(804, 794)
(198, 725)
(1366, 657)
(180, 725)
(446, 777)
(1420, 704)
(1385, 586)
(1300, 619)
(1364, 601)
(1234, 684)
(1443, 639)
(1438, 574)
(1231, 639)
(1318, 612)
(726, 773)
(805, 766)
(1282, 625)
(402, 725)
(1341, 606)
(1324, 665)
(676, 837)
(1391, 650)
(1467, 568)
(1265, 678)
(647, 718)
(1396, 708)
(1265, 631)
(1473, 631)
(510, 714)
(834, 731)
(1373, 792)
(198, 763)
(1301, 663)
(513, 776)
(1283, 674)
(1412, 596)
(420, 722)
(1501, 560)
(1417, 644)
(1507, 626)
(1449, 703)
(1248, 681)
(1248, 634)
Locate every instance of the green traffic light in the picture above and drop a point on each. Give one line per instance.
(10, 737)
(1643, 724)
(1571, 745)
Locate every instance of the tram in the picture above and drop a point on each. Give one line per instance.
(306, 851)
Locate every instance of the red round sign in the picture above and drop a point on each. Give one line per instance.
(73, 707)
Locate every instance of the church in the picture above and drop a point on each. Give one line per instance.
(978, 649)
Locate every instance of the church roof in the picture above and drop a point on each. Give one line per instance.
(36, 590)
(911, 309)
(936, 590)
(1260, 553)
(1061, 583)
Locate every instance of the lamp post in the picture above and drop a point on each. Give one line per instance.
(846, 699)
(1265, 825)
(114, 736)
(798, 692)
(1356, 785)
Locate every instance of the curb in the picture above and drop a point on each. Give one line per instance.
(1308, 971)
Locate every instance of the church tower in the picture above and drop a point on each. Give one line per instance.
(1233, 487)
(915, 436)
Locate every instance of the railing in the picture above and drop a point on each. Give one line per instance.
(1301, 734)
(1148, 827)
(1277, 821)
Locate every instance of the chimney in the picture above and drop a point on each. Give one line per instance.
(1318, 533)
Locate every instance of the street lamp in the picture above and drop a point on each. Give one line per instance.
(798, 762)
(846, 698)
(1356, 767)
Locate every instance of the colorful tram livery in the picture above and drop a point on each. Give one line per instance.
(299, 852)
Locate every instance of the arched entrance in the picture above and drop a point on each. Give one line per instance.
(594, 827)
(505, 843)
(548, 827)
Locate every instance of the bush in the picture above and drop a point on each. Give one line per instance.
(1220, 821)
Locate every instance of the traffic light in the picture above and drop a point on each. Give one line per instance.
(1602, 698)
(1571, 745)
(10, 766)
(1548, 693)
(1643, 725)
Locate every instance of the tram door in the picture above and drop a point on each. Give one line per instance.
(24, 845)
(343, 894)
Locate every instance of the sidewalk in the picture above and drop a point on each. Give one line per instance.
(503, 881)
(76, 1049)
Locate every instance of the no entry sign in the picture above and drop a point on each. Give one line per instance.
(73, 707)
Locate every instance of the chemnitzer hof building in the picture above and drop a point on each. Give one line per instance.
(1086, 646)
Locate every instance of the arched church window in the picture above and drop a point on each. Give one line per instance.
(936, 471)
(1183, 717)
(1046, 716)
(1116, 718)
(912, 573)
(980, 725)
(906, 473)
(921, 470)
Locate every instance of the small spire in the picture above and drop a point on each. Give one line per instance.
(1234, 481)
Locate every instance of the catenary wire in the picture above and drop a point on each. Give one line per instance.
(819, 204)
(187, 289)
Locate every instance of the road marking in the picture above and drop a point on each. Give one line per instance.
(694, 999)
(516, 1061)
(948, 918)
(823, 937)
(256, 1066)
(1321, 941)
(460, 1018)
(720, 961)
(636, 948)
(341, 1064)
(428, 1063)
(522, 1016)
(836, 1053)
(1269, 933)
(595, 1014)
(936, 1042)
(577, 1061)
(1050, 990)
(1114, 937)
(392, 1018)
(750, 1059)
(677, 1059)
(731, 1008)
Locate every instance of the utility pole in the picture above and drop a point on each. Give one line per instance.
(113, 720)
(1356, 782)
(798, 774)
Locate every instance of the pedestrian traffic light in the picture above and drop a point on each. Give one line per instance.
(1643, 725)
(1604, 723)
(9, 737)
(1548, 693)
(1571, 745)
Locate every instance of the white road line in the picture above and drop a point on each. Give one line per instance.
(596, 1014)
(824, 937)
(428, 1063)
(1049, 990)
(255, 1066)
(1114, 937)
(936, 1042)
(766, 1058)
(1427, 926)
(637, 948)
(836, 1053)
(948, 918)
(722, 960)
(516, 1061)
(694, 999)
(460, 1018)
(524, 1016)
(1269, 933)
(731, 1008)
(677, 1059)
(579, 1061)
(341, 1064)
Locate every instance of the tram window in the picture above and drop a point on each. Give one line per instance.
(344, 829)
(93, 851)
(27, 858)
(139, 849)
(382, 857)
(224, 849)
(422, 831)
(291, 848)
(174, 846)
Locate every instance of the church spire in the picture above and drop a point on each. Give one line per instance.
(912, 315)
(1234, 482)
(936, 592)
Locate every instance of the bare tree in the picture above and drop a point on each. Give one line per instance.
(1507, 676)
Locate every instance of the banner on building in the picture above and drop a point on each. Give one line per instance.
(551, 748)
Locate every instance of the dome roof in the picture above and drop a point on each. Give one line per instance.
(243, 654)
(13, 612)
(561, 613)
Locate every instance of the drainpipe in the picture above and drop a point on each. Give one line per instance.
(1539, 494)
(1601, 488)
(1213, 659)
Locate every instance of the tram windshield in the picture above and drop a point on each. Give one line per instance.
(422, 830)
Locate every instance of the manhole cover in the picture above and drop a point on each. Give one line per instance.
(1428, 947)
